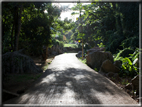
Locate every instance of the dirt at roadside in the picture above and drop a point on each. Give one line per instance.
(19, 83)
(122, 83)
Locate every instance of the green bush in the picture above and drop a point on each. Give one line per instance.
(96, 69)
(131, 42)
(126, 52)
(101, 45)
(57, 42)
(61, 43)
(128, 68)
(82, 60)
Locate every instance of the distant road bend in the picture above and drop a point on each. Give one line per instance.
(69, 81)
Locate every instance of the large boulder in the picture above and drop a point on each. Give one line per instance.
(60, 51)
(54, 53)
(96, 58)
(79, 54)
(95, 49)
(55, 50)
(99, 48)
(107, 66)
(65, 49)
(110, 74)
(49, 51)
(15, 62)
(118, 63)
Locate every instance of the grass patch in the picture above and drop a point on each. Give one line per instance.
(45, 67)
(83, 60)
(70, 45)
(96, 69)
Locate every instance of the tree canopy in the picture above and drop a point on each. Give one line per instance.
(26, 25)
(113, 24)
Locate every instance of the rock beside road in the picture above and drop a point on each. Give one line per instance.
(95, 49)
(79, 54)
(118, 63)
(103, 61)
(55, 50)
(95, 58)
(108, 66)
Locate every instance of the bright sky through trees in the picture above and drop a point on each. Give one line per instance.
(68, 13)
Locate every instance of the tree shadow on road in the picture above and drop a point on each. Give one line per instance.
(70, 86)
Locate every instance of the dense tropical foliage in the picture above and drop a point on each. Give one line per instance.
(114, 26)
(28, 25)
(33, 33)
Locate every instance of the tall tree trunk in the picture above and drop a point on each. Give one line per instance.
(46, 52)
(3, 33)
(18, 11)
(82, 48)
(81, 32)
(119, 25)
(118, 20)
(12, 32)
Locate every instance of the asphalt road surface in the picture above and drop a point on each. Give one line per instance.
(69, 81)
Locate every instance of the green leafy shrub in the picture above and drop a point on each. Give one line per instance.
(61, 43)
(126, 52)
(131, 41)
(135, 54)
(101, 45)
(128, 68)
(112, 44)
(57, 42)
(82, 60)
(96, 69)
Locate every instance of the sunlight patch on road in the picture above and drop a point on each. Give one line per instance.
(68, 96)
(49, 79)
(78, 77)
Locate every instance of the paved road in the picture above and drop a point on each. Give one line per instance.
(68, 81)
